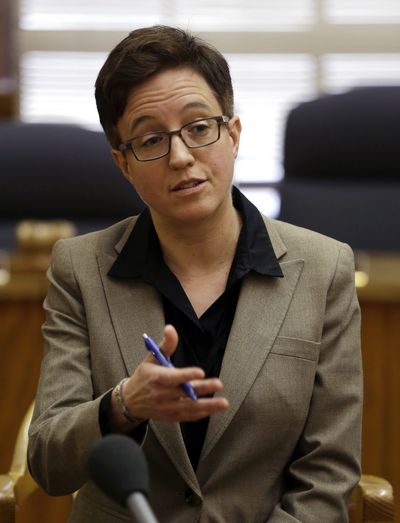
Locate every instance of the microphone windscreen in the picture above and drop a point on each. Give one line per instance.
(118, 466)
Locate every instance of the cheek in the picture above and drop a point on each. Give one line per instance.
(219, 159)
(222, 166)
(147, 186)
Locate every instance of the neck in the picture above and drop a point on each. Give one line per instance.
(201, 249)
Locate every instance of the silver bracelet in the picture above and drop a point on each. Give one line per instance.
(121, 403)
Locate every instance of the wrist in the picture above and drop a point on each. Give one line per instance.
(123, 410)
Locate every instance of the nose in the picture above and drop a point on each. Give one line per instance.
(180, 156)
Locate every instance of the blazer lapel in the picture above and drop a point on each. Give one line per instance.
(261, 309)
(135, 308)
(170, 436)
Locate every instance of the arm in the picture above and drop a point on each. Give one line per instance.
(65, 420)
(326, 462)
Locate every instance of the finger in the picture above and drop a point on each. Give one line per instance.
(168, 344)
(205, 407)
(155, 376)
(171, 377)
(188, 410)
(208, 386)
(170, 340)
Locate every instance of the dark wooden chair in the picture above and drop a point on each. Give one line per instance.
(371, 501)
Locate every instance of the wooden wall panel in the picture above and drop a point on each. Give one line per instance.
(381, 424)
(8, 85)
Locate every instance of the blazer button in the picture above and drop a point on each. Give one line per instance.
(192, 499)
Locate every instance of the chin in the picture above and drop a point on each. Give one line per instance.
(194, 214)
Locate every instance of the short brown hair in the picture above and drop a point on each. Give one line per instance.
(151, 50)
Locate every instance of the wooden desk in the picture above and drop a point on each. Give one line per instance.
(21, 349)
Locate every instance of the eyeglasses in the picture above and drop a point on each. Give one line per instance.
(194, 135)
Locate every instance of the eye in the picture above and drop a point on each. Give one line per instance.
(149, 141)
(199, 128)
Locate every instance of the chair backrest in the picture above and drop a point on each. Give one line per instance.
(63, 172)
(345, 137)
(342, 167)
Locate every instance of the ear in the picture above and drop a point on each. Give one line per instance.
(122, 163)
(234, 129)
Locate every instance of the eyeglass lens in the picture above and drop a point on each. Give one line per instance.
(195, 134)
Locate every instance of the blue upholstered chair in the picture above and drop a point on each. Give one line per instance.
(342, 167)
(57, 171)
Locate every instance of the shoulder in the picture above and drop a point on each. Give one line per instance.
(318, 252)
(296, 237)
(105, 238)
(82, 251)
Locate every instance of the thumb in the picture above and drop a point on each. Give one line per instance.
(170, 341)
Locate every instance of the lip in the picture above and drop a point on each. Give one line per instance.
(188, 186)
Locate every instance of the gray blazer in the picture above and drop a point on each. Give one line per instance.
(288, 448)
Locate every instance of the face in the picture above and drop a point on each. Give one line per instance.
(187, 184)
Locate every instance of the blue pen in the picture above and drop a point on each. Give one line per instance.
(152, 346)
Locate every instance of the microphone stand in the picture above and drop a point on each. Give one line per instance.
(139, 507)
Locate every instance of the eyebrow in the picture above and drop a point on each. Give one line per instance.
(138, 121)
(146, 117)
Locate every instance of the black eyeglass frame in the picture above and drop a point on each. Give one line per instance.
(221, 120)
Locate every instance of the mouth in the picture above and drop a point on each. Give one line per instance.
(189, 184)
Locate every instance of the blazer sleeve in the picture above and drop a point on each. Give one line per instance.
(326, 463)
(65, 422)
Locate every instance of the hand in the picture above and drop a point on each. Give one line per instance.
(154, 392)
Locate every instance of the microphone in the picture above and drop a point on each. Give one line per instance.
(118, 466)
